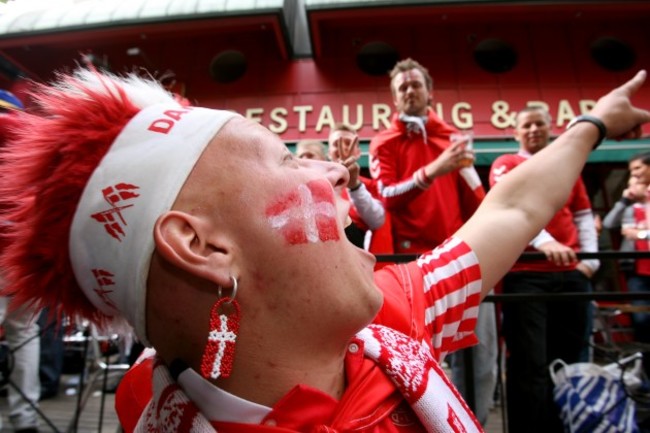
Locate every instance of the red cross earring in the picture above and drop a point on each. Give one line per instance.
(219, 352)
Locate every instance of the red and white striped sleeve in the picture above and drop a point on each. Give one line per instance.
(452, 288)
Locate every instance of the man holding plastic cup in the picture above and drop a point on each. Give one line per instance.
(419, 170)
(465, 139)
(430, 188)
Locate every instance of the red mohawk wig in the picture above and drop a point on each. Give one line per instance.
(45, 167)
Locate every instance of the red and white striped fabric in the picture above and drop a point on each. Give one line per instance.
(452, 288)
(408, 363)
(435, 298)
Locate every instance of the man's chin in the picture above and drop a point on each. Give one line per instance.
(414, 111)
(374, 304)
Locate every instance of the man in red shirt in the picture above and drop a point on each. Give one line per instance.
(536, 333)
(420, 174)
(429, 193)
(227, 254)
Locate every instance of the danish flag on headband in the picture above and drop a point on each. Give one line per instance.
(306, 214)
(116, 196)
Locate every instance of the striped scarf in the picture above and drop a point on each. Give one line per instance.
(408, 363)
(415, 124)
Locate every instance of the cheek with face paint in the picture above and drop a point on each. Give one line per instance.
(305, 215)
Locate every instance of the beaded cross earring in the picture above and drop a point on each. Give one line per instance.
(219, 352)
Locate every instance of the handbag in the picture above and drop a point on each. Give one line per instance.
(592, 398)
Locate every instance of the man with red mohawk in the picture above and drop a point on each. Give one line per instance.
(227, 254)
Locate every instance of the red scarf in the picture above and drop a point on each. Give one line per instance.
(409, 364)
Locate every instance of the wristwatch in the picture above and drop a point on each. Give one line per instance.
(642, 234)
(602, 129)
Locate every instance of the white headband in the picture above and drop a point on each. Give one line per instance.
(111, 238)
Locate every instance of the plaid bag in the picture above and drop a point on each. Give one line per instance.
(592, 399)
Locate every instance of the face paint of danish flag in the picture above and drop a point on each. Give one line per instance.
(307, 214)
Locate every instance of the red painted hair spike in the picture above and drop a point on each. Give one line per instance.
(45, 167)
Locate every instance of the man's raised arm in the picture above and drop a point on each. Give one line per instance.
(521, 204)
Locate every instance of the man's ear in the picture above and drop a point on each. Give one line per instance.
(190, 243)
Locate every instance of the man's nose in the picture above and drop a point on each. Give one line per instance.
(337, 174)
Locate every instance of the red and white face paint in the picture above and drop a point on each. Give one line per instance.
(305, 215)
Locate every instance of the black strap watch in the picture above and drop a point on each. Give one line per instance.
(602, 129)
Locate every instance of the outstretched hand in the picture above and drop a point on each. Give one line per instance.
(615, 109)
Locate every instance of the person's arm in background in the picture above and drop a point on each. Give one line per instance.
(628, 217)
(588, 240)
(370, 209)
(585, 225)
(628, 223)
(555, 252)
(614, 218)
(622, 213)
(631, 229)
(471, 191)
(520, 205)
(541, 238)
(397, 192)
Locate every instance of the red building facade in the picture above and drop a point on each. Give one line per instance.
(488, 59)
(299, 66)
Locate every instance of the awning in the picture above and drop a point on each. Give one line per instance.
(77, 14)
